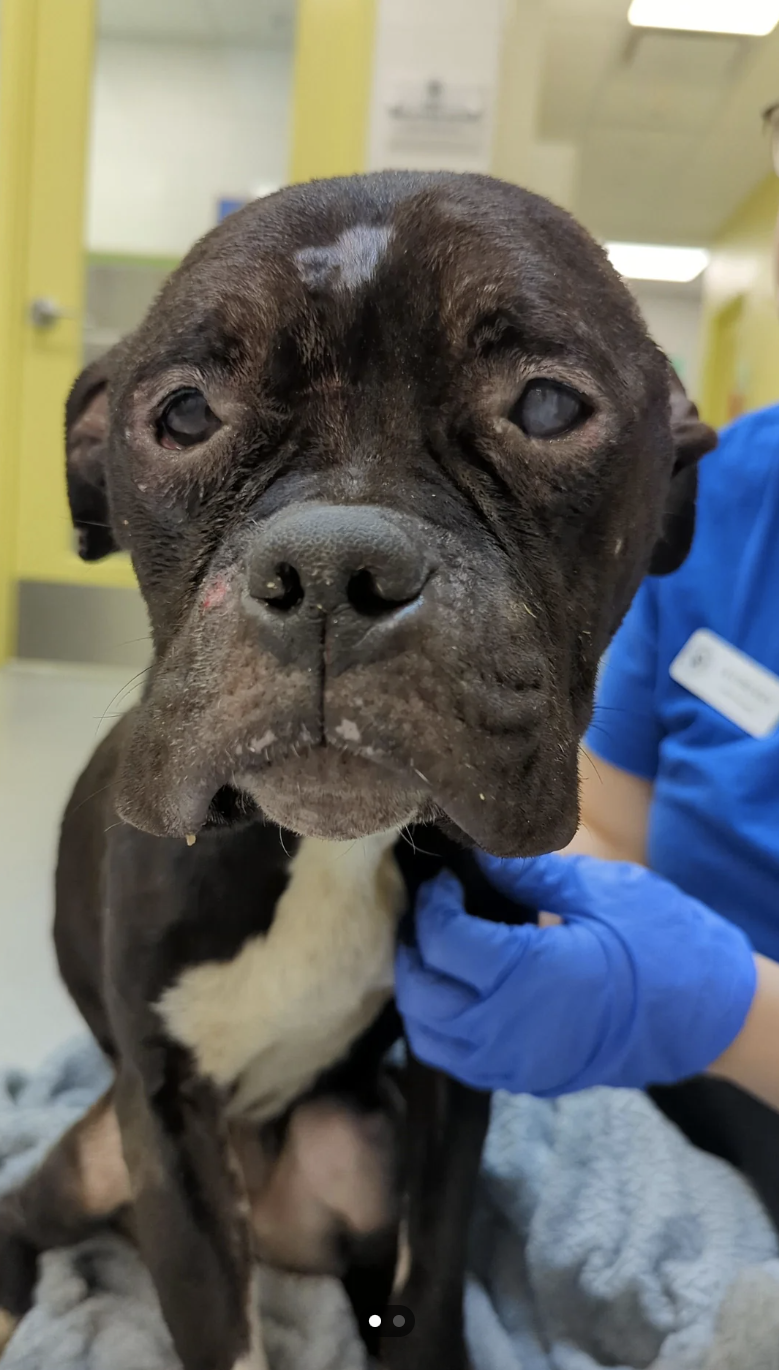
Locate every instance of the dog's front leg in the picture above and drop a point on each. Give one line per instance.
(190, 1210)
(447, 1123)
(190, 1213)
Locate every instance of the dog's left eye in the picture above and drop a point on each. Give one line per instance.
(186, 421)
(547, 409)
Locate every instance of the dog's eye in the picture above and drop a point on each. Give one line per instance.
(547, 409)
(186, 421)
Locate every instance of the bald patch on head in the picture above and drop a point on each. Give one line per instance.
(347, 263)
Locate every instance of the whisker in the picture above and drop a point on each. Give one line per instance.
(418, 851)
(88, 797)
(119, 694)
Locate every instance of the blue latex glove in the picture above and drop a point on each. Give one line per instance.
(640, 985)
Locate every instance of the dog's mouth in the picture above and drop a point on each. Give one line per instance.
(336, 790)
(506, 799)
(223, 734)
(333, 792)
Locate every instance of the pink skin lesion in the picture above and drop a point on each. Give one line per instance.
(215, 593)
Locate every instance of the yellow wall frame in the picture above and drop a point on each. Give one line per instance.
(332, 87)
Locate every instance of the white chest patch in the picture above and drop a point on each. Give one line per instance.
(289, 1005)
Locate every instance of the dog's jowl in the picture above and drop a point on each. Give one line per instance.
(390, 455)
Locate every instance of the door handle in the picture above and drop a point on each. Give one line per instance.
(44, 312)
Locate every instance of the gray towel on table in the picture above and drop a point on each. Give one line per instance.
(601, 1238)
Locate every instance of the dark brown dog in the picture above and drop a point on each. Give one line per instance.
(391, 455)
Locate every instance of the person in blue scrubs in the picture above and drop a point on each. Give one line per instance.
(706, 811)
(661, 955)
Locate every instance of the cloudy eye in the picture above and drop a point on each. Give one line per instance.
(186, 421)
(547, 409)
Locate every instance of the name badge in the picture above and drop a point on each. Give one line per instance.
(729, 682)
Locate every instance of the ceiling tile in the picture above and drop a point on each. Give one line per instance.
(690, 58)
(662, 107)
(579, 56)
(667, 127)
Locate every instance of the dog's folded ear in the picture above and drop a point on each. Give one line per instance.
(86, 436)
(693, 439)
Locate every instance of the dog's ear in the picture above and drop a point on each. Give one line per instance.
(693, 439)
(86, 436)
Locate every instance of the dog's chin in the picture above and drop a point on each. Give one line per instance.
(333, 795)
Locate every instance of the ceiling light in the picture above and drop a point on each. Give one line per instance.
(755, 18)
(653, 262)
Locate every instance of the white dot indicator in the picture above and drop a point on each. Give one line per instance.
(374, 1320)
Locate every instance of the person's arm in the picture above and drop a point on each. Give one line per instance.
(619, 758)
(614, 817)
(614, 812)
(753, 1060)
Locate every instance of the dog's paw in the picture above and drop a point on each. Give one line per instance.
(8, 1325)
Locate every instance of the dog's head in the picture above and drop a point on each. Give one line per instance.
(391, 455)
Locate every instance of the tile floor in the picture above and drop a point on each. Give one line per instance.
(50, 720)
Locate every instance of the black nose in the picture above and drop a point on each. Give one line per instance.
(355, 563)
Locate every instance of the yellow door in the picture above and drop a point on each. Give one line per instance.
(45, 83)
(724, 398)
(50, 88)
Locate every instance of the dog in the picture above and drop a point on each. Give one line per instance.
(391, 455)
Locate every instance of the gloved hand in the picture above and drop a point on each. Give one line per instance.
(639, 985)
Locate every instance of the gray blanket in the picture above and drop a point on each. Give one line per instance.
(601, 1238)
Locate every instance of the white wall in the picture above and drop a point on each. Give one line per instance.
(176, 127)
(673, 316)
(455, 42)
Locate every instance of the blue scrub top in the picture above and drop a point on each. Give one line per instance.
(714, 824)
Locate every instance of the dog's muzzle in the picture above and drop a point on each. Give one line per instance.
(339, 584)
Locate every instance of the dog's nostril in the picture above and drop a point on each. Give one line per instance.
(350, 562)
(366, 596)
(285, 590)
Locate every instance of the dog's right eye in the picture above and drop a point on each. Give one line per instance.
(186, 421)
(547, 409)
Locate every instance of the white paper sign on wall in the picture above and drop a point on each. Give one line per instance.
(438, 117)
(435, 83)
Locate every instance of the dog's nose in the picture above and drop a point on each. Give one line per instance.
(362, 565)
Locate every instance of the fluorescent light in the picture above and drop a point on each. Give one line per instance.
(654, 262)
(755, 18)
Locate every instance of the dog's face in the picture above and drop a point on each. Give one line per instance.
(390, 455)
